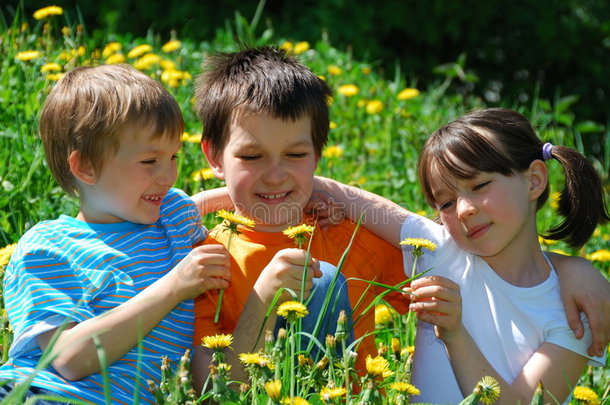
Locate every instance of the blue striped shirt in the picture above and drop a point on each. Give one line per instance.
(66, 270)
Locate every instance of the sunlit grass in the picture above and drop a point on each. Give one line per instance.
(378, 126)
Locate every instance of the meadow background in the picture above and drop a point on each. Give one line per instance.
(387, 99)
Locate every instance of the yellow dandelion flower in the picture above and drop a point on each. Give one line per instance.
(174, 77)
(602, 255)
(111, 48)
(334, 70)
(585, 395)
(292, 310)
(294, 401)
(407, 350)
(407, 94)
(167, 64)
(217, 341)
(419, 243)
(554, 200)
(116, 58)
(404, 387)
(322, 77)
(203, 174)
(332, 151)
(50, 67)
(28, 55)
(255, 359)
(365, 70)
(235, 218)
(383, 315)
(273, 389)
(299, 233)
(332, 125)
(376, 366)
(147, 61)
(348, 90)
(489, 390)
(171, 46)
(48, 12)
(287, 46)
(374, 107)
(139, 51)
(186, 137)
(6, 253)
(300, 47)
(547, 242)
(330, 393)
(55, 76)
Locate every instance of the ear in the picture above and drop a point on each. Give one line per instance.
(538, 176)
(81, 168)
(213, 160)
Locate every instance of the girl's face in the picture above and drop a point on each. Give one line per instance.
(490, 215)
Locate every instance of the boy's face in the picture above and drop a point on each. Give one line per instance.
(132, 182)
(268, 165)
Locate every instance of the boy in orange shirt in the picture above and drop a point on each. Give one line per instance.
(265, 118)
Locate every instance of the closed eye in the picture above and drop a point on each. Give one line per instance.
(249, 157)
(149, 161)
(481, 185)
(445, 205)
(296, 155)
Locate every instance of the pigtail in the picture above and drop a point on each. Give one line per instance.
(581, 202)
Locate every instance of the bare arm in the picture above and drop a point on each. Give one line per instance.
(215, 199)
(557, 368)
(584, 288)
(380, 215)
(119, 330)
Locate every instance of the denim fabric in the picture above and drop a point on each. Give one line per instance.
(339, 301)
(32, 392)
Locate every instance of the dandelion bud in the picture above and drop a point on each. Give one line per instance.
(243, 388)
(45, 28)
(323, 363)
(269, 340)
(396, 348)
(382, 349)
(305, 361)
(65, 31)
(341, 332)
(79, 29)
(331, 343)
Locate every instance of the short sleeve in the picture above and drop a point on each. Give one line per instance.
(40, 287)
(561, 335)
(180, 212)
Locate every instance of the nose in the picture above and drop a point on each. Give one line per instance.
(168, 174)
(465, 208)
(275, 174)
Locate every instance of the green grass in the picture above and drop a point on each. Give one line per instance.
(375, 149)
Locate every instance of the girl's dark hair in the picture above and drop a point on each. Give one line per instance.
(262, 80)
(503, 141)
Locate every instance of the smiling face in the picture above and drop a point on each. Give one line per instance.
(131, 183)
(268, 166)
(490, 213)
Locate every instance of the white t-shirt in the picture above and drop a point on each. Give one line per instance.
(507, 323)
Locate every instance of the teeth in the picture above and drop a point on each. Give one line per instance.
(273, 196)
(153, 198)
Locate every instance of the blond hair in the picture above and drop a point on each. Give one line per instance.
(89, 107)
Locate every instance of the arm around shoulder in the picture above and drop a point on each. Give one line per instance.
(584, 288)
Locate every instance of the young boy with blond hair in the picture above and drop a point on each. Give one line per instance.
(265, 122)
(120, 277)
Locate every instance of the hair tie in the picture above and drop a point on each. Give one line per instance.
(547, 151)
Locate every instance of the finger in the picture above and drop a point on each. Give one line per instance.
(436, 292)
(315, 267)
(573, 315)
(436, 306)
(213, 283)
(433, 280)
(211, 248)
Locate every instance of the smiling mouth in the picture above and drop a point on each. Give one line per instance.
(272, 196)
(152, 198)
(477, 231)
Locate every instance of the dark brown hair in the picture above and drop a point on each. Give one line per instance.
(88, 108)
(503, 141)
(260, 80)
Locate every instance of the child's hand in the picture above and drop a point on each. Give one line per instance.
(325, 209)
(286, 270)
(205, 268)
(437, 300)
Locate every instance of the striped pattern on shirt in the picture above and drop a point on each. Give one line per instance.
(66, 270)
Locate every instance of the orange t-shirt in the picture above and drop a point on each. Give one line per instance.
(370, 258)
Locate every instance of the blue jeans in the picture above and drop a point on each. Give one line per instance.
(338, 301)
(31, 392)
